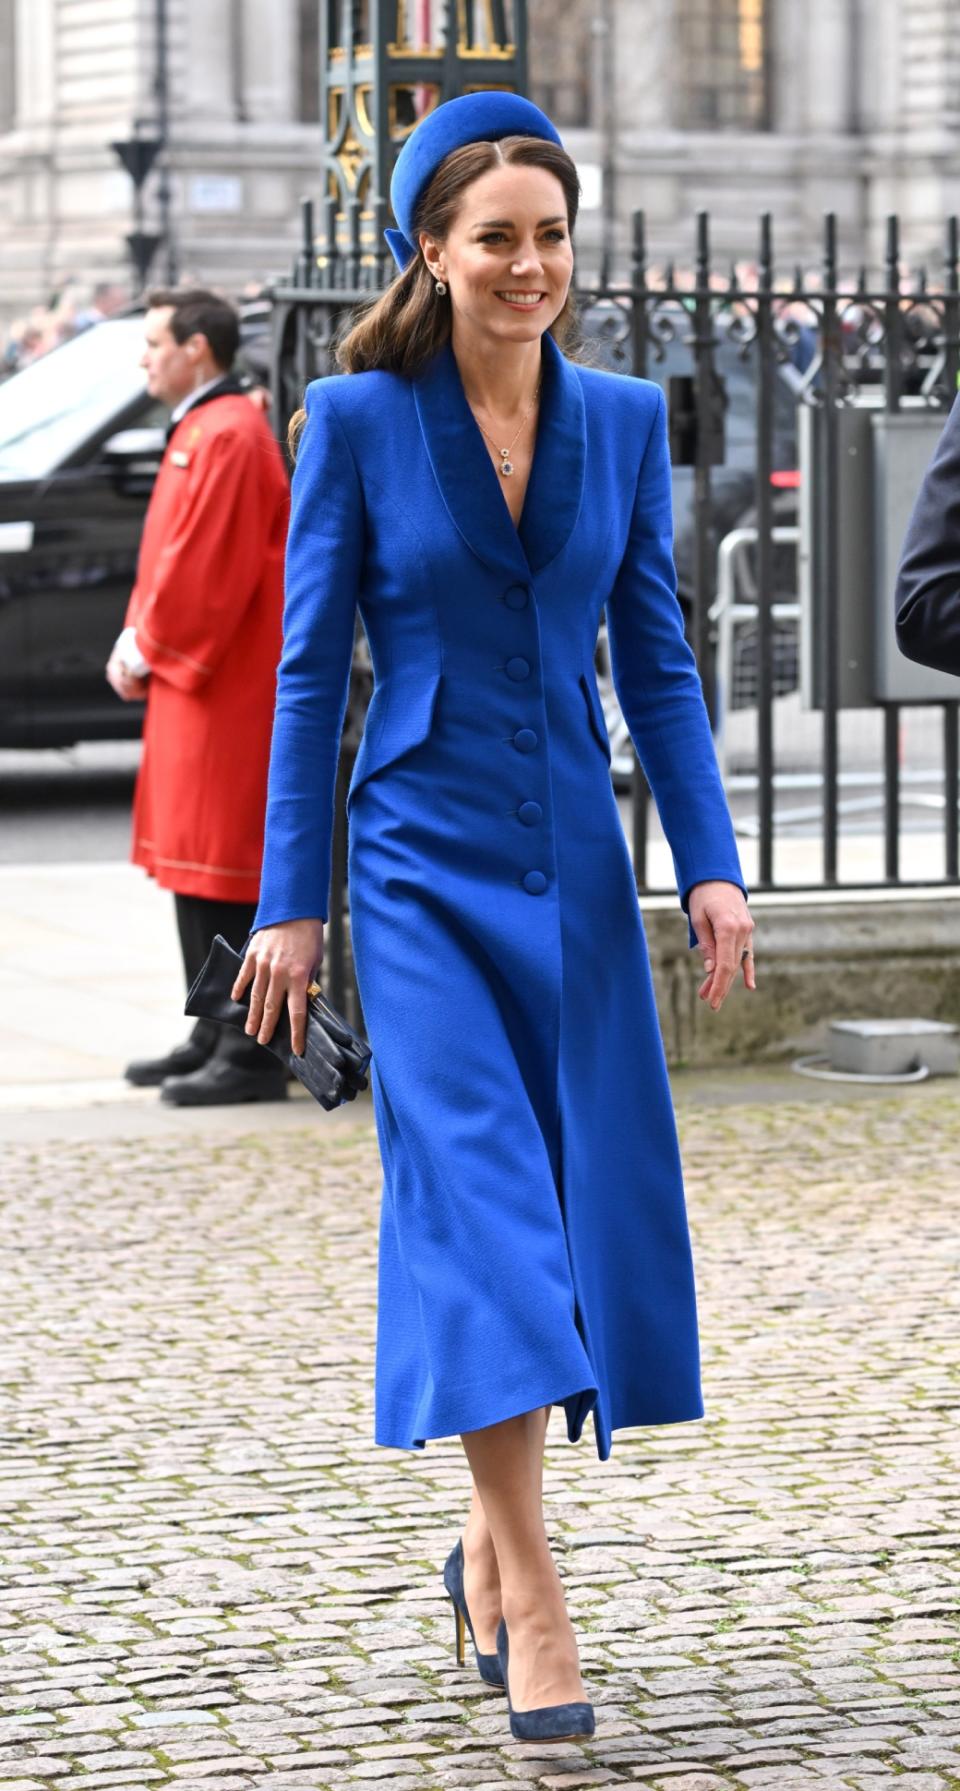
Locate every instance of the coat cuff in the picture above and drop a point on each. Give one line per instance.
(128, 652)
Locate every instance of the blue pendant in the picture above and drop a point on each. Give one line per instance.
(506, 467)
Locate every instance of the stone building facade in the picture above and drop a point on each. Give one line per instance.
(76, 75)
(741, 106)
(735, 106)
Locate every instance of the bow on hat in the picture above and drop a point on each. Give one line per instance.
(472, 118)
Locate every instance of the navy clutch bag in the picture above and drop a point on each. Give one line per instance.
(334, 1064)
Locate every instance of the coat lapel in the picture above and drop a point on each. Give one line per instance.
(470, 484)
(555, 489)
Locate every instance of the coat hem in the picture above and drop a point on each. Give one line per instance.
(188, 882)
(577, 1408)
(389, 1436)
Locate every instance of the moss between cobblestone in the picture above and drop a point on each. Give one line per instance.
(825, 1243)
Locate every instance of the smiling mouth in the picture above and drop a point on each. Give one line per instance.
(526, 300)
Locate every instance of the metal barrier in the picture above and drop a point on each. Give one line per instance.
(729, 611)
(726, 612)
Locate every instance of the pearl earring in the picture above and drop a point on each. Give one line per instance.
(441, 289)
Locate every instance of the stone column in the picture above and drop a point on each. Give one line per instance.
(269, 61)
(8, 84)
(788, 67)
(880, 64)
(824, 69)
(645, 63)
(207, 95)
(36, 63)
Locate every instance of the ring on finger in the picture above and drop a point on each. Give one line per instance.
(746, 953)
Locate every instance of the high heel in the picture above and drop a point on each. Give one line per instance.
(460, 1632)
(552, 1722)
(488, 1665)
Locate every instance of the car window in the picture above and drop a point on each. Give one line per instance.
(53, 406)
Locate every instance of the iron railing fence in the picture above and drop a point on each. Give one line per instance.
(743, 351)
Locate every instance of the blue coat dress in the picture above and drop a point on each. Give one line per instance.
(533, 1243)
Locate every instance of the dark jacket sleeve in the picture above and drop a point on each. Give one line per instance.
(928, 582)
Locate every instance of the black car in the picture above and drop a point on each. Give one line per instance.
(80, 444)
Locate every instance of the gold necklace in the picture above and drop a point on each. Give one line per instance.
(506, 464)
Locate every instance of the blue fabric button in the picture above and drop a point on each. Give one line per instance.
(525, 740)
(530, 813)
(517, 669)
(517, 597)
(534, 882)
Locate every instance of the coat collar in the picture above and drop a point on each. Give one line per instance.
(225, 387)
(470, 484)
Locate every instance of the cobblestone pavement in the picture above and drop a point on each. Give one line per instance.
(213, 1579)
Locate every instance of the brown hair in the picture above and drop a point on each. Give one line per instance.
(405, 326)
(199, 312)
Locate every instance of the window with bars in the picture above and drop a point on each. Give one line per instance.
(723, 64)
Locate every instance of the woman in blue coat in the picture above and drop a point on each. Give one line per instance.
(482, 498)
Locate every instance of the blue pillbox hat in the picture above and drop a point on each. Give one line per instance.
(472, 118)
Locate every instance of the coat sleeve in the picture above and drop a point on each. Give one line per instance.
(208, 571)
(928, 582)
(323, 567)
(658, 686)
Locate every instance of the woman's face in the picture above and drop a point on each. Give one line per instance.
(507, 260)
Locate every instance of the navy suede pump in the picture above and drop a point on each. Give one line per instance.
(552, 1722)
(487, 1664)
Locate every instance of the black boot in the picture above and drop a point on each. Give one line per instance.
(238, 1070)
(183, 1060)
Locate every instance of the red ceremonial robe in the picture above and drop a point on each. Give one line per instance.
(208, 607)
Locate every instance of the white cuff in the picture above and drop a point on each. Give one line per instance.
(129, 654)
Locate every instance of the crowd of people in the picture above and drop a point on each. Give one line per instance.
(77, 306)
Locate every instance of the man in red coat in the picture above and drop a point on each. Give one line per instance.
(201, 642)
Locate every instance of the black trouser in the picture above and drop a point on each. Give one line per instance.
(198, 920)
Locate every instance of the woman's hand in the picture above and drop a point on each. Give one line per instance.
(721, 920)
(280, 961)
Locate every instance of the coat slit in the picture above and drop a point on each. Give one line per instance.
(577, 1405)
